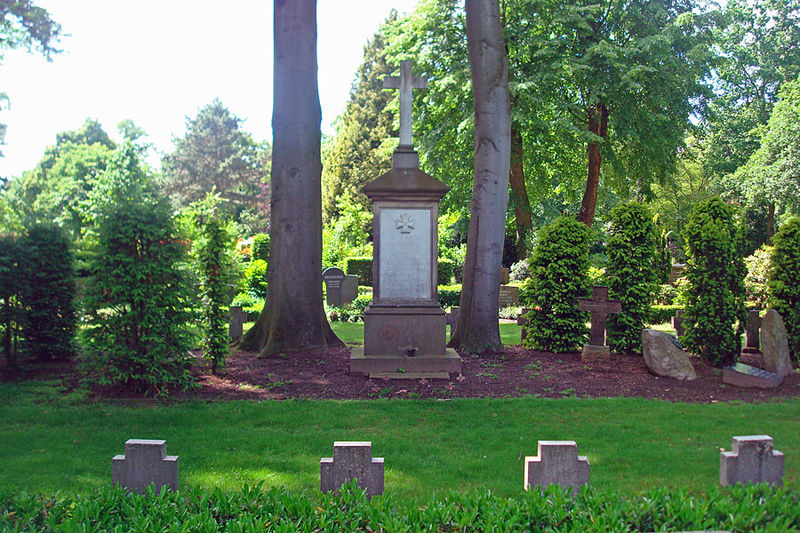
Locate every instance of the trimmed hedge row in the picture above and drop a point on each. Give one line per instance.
(739, 508)
(362, 267)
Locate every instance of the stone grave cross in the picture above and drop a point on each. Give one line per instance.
(145, 462)
(405, 82)
(599, 306)
(352, 460)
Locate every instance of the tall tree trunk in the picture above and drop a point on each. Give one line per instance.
(293, 318)
(519, 193)
(598, 124)
(477, 330)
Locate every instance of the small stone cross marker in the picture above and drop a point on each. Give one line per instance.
(752, 460)
(599, 306)
(145, 462)
(558, 463)
(404, 223)
(351, 460)
(238, 318)
(405, 82)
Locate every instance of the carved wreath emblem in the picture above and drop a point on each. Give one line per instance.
(404, 223)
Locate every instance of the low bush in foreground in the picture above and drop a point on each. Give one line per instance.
(740, 508)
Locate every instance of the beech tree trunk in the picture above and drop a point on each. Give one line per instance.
(598, 124)
(519, 193)
(293, 318)
(477, 330)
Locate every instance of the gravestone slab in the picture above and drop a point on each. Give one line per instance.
(349, 288)
(775, 344)
(751, 332)
(664, 357)
(599, 306)
(677, 323)
(557, 463)
(746, 376)
(509, 295)
(505, 275)
(751, 460)
(522, 322)
(333, 278)
(351, 460)
(238, 318)
(452, 319)
(145, 462)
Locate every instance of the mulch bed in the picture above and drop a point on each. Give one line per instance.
(514, 372)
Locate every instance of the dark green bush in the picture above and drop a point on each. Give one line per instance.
(352, 312)
(446, 269)
(49, 325)
(756, 282)
(659, 314)
(449, 295)
(784, 284)
(632, 250)
(361, 267)
(12, 286)
(715, 273)
(255, 279)
(260, 248)
(215, 266)
(137, 334)
(739, 508)
(559, 269)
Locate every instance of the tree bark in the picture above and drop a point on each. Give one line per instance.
(477, 330)
(598, 125)
(293, 318)
(519, 193)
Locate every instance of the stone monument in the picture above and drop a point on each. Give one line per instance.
(351, 460)
(145, 463)
(752, 460)
(558, 463)
(751, 332)
(340, 288)
(405, 327)
(599, 306)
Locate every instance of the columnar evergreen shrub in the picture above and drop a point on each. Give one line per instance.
(559, 268)
(784, 284)
(715, 274)
(215, 266)
(260, 248)
(138, 299)
(12, 266)
(49, 324)
(632, 273)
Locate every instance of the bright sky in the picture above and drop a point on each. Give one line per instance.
(158, 61)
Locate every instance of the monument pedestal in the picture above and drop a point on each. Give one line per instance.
(592, 352)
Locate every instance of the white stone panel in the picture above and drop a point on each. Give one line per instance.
(405, 254)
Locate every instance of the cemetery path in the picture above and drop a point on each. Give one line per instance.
(512, 373)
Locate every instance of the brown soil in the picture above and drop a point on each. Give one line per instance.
(512, 373)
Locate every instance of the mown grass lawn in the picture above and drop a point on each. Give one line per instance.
(52, 441)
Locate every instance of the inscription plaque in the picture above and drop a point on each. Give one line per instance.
(405, 254)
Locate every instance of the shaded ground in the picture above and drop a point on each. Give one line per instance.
(515, 372)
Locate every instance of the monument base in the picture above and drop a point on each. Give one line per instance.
(404, 330)
(593, 352)
(448, 362)
(749, 349)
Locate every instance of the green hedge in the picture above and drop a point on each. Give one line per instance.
(446, 271)
(662, 313)
(361, 267)
(784, 284)
(449, 295)
(260, 247)
(739, 508)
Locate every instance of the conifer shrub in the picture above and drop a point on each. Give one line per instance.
(784, 283)
(49, 324)
(632, 275)
(715, 312)
(12, 266)
(260, 249)
(215, 266)
(559, 269)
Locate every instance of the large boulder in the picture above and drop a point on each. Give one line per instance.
(775, 344)
(664, 356)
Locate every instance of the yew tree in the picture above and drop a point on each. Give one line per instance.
(293, 317)
(477, 330)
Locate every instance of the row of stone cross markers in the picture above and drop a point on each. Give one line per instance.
(751, 460)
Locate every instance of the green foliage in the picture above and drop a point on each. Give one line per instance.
(260, 247)
(757, 279)
(352, 312)
(12, 288)
(520, 271)
(666, 294)
(136, 303)
(347, 235)
(632, 249)
(446, 268)
(752, 507)
(361, 267)
(715, 272)
(659, 314)
(49, 297)
(449, 295)
(784, 284)
(559, 268)
(255, 279)
(215, 267)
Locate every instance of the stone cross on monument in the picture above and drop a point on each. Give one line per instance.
(599, 306)
(405, 82)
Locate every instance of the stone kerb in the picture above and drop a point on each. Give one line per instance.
(145, 462)
(352, 460)
(751, 460)
(558, 463)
